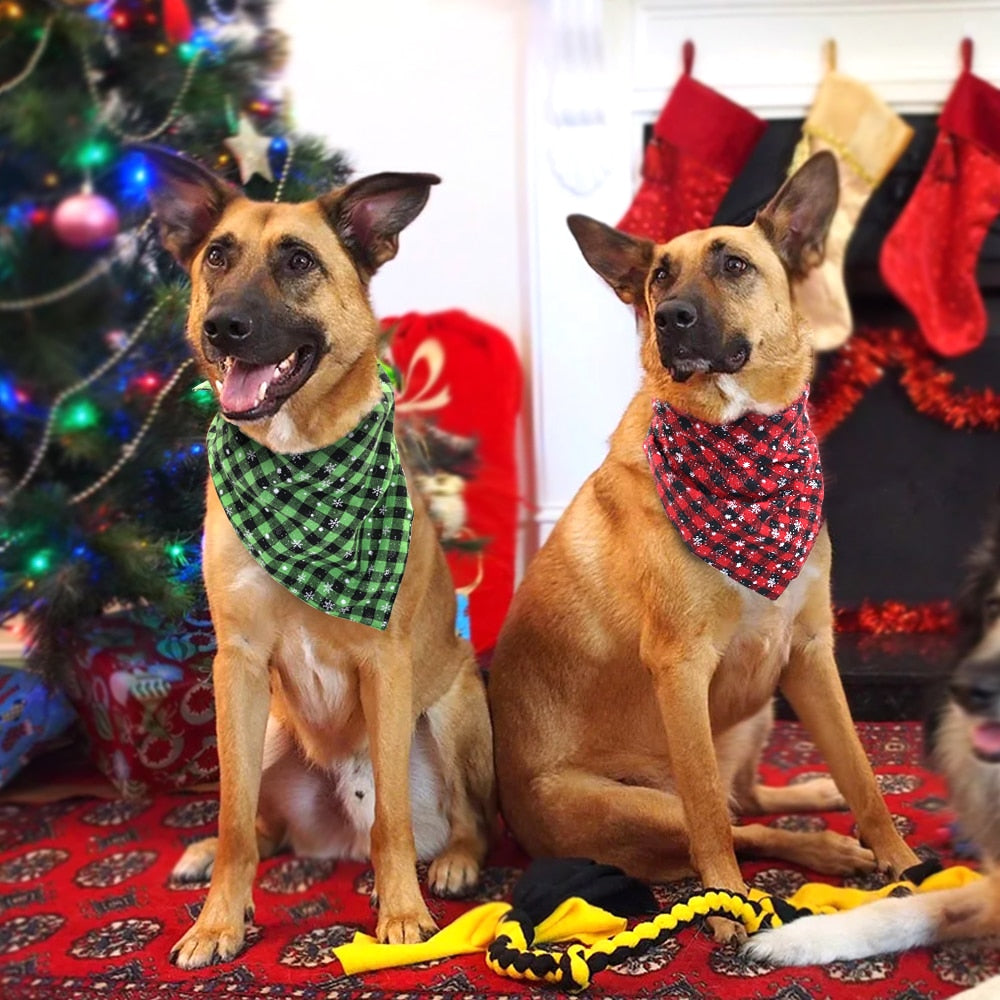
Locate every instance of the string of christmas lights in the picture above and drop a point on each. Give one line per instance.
(131, 446)
(103, 115)
(33, 60)
(285, 170)
(95, 271)
(46, 438)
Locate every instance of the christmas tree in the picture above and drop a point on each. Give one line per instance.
(102, 465)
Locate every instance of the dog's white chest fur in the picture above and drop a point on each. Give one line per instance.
(320, 692)
(759, 648)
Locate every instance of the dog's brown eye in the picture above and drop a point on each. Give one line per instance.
(214, 257)
(660, 274)
(991, 609)
(300, 261)
(735, 265)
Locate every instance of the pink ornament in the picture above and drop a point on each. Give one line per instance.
(116, 339)
(85, 221)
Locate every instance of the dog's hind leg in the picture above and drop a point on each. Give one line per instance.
(643, 831)
(581, 814)
(752, 798)
(198, 859)
(823, 851)
(460, 728)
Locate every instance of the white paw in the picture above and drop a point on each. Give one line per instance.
(801, 942)
(196, 863)
(886, 925)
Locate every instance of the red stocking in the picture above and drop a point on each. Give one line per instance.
(700, 142)
(928, 260)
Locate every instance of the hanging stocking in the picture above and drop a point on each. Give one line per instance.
(929, 258)
(700, 142)
(867, 137)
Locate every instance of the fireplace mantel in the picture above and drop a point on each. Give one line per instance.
(620, 59)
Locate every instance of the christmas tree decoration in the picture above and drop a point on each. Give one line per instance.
(177, 21)
(102, 436)
(80, 416)
(700, 142)
(867, 137)
(928, 260)
(251, 151)
(85, 221)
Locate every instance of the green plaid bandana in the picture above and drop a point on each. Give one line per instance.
(332, 526)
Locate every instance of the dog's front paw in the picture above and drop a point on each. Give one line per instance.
(202, 946)
(197, 861)
(825, 795)
(216, 936)
(454, 873)
(727, 931)
(405, 928)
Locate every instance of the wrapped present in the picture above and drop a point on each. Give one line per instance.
(142, 686)
(33, 716)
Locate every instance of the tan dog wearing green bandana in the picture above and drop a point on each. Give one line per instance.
(351, 720)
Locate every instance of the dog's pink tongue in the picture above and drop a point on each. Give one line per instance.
(986, 738)
(241, 386)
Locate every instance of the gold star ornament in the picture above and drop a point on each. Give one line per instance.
(250, 149)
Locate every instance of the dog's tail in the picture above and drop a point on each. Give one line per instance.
(887, 925)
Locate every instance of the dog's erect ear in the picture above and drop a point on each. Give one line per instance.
(623, 261)
(187, 199)
(369, 214)
(797, 219)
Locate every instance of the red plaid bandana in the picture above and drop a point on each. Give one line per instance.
(746, 497)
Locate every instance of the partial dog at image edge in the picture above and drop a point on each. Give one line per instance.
(351, 719)
(964, 742)
(688, 580)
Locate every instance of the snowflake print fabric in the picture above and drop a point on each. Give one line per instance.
(332, 525)
(746, 497)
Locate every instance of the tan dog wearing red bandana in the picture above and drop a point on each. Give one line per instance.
(688, 581)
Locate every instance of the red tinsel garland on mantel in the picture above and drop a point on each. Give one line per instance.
(864, 360)
(895, 617)
(855, 369)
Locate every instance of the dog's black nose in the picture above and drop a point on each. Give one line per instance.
(675, 314)
(223, 327)
(976, 686)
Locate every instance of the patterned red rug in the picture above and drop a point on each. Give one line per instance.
(87, 908)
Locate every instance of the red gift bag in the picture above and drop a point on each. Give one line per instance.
(462, 377)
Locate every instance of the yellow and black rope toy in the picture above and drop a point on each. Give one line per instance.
(574, 899)
(548, 882)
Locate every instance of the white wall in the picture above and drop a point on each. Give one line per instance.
(436, 86)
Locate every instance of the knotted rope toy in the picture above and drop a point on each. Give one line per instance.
(574, 899)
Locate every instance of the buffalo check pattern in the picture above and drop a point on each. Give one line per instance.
(747, 497)
(333, 525)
